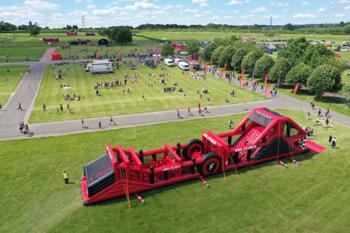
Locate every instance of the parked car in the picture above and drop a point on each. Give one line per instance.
(169, 62)
(184, 66)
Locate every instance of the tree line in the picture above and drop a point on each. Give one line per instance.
(313, 66)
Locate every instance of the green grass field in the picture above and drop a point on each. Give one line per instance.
(14, 54)
(114, 102)
(205, 36)
(83, 51)
(311, 197)
(9, 79)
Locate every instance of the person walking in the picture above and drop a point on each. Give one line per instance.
(111, 121)
(330, 139)
(61, 107)
(82, 123)
(20, 106)
(230, 123)
(44, 107)
(199, 111)
(65, 177)
(178, 113)
(334, 142)
(100, 124)
(189, 111)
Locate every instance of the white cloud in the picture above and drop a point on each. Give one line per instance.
(250, 16)
(106, 11)
(142, 4)
(304, 3)
(339, 15)
(321, 9)
(202, 3)
(279, 4)
(304, 15)
(91, 6)
(260, 9)
(237, 2)
(41, 5)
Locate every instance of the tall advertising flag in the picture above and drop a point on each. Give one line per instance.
(265, 79)
(242, 77)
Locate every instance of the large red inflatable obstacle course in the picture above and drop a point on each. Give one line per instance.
(262, 136)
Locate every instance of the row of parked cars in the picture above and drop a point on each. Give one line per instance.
(183, 65)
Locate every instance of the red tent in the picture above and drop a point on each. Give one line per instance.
(72, 33)
(51, 40)
(55, 56)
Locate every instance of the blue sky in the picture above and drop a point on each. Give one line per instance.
(58, 13)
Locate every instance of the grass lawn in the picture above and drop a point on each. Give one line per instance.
(311, 197)
(9, 80)
(83, 51)
(13, 53)
(114, 102)
(205, 36)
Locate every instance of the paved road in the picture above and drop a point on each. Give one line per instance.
(27, 90)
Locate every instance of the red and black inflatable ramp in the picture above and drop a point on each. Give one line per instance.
(314, 146)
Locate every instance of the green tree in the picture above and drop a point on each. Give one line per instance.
(167, 50)
(208, 51)
(226, 56)
(294, 50)
(237, 58)
(120, 34)
(316, 55)
(263, 66)
(280, 70)
(325, 78)
(215, 57)
(299, 73)
(34, 30)
(249, 61)
(192, 48)
(347, 29)
(288, 27)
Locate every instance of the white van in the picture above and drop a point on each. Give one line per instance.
(184, 66)
(101, 66)
(169, 62)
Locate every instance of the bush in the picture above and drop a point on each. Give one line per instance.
(299, 73)
(325, 78)
(263, 66)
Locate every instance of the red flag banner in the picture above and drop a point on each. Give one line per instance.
(267, 91)
(265, 79)
(222, 74)
(242, 78)
(296, 87)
